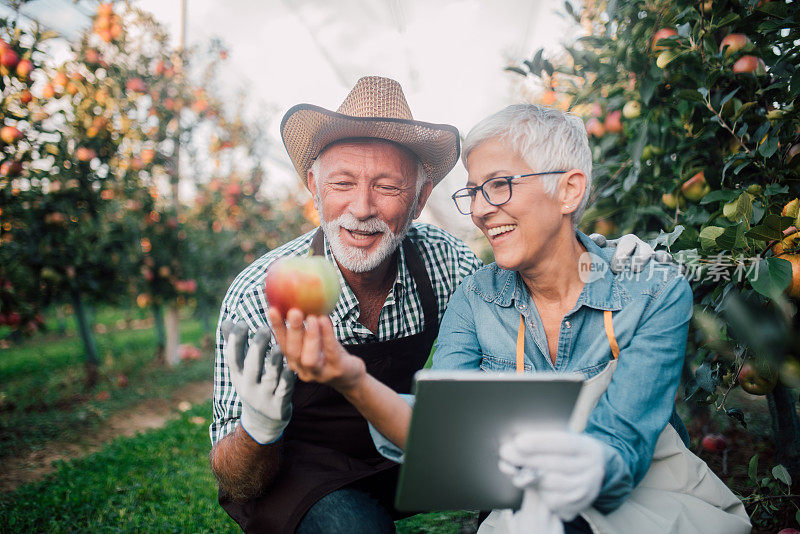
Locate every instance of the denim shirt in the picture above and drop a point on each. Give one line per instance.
(651, 312)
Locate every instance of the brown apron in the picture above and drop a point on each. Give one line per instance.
(327, 445)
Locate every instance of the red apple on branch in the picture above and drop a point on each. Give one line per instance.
(757, 378)
(733, 42)
(10, 134)
(663, 33)
(695, 187)
(749, 64)
(308, 283)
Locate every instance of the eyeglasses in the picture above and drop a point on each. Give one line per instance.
(496, 191)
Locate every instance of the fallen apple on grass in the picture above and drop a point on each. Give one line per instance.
(310, 284)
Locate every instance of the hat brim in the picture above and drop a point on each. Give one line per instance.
(307, 129)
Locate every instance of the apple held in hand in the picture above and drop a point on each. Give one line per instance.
(308, 283)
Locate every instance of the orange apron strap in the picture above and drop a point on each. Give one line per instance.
(612, 340)
(521, 345)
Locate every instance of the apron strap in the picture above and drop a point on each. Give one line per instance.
(521, 345)
(430, 309)
(612, 340)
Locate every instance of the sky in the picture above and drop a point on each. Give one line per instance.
(448, 56)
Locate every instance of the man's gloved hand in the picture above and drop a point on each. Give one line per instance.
(265, 390)
(565, 469)
(630, 252)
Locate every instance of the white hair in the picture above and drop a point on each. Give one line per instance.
(547, 139)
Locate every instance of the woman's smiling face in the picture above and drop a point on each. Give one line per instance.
(518, 231)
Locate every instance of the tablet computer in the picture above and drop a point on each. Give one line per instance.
(458, 422)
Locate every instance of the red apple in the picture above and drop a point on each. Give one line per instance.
(663, 33)
(9, 58)
(714, 442)
(746, 64)
(10, 134)
(695, 187)
(10, 169)
(308, 283)
(613, 123)
(789, 531)
(733, 42)
(136, 85)
(595, 127)
(85, 154)
(25, 96)
(757, 378)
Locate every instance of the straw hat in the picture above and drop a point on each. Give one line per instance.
(377, 108)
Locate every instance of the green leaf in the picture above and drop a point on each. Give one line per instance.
(720, 194)
(768, 147)
(703, 91)
(733, 237)
(727, 19)
(752, 468)
(517, 70)
(708, 236)
(744, 107)
(704, 378)
(740, 209)
(667, 239)
(776, 189)
(771, 229)
(770, 276)
(728, 96)
(780, 473)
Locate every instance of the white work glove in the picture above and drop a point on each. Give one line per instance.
(533, 517)
(564, 469)
(630, 252)
(264, 387)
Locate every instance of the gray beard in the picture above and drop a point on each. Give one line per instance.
(355, 259)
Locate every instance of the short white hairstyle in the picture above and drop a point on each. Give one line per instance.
(547, 139)
(422, 175)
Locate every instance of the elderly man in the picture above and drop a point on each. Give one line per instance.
(294, 456)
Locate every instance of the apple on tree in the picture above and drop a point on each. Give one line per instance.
(310, 284)
(757, 378)
(696, 187)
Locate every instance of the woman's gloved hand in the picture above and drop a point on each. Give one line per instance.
(564, 469)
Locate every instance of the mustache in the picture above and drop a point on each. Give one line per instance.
(371, 225)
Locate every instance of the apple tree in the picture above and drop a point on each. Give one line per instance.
(691, 109)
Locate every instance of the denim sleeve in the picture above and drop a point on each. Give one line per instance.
(385, 447)
(457, 346)
(639, 400)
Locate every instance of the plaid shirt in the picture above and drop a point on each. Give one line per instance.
(447, 259)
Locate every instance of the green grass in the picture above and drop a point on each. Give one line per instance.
(157, 481)
(154, 482)
(42, 384)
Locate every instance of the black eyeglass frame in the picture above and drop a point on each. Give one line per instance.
(480, 188)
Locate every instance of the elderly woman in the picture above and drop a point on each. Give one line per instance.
(550, 303)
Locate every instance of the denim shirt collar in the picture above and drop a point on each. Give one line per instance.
(604, 293)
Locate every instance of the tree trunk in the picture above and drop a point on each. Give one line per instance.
(785, 429)
(173, 325)
(87, 335)
(161, 338)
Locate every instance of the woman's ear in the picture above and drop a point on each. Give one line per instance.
(572, 187)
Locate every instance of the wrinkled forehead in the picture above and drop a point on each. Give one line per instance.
(383, 149)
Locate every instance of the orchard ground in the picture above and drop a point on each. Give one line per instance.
(133, 452)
